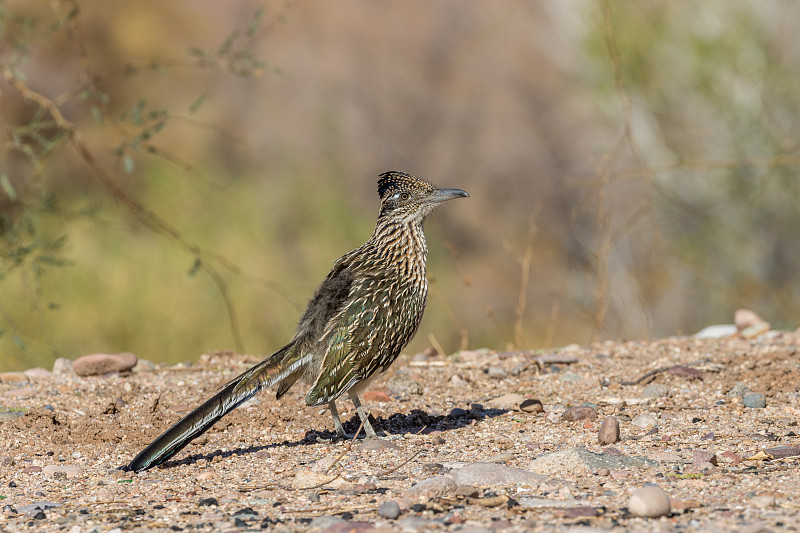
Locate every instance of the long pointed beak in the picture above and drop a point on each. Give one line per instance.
(441, 195)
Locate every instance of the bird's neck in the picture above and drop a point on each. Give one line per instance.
(402, 239)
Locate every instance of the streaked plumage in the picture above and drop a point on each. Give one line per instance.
(363, 314)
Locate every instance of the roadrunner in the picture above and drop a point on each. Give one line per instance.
(366, 310)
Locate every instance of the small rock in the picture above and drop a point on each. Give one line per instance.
(581, 511)
(716, 331)
(430, 488)
(208, 502)
(390, 510)
(496, 372)
(37, 374)
(531, 405)
(401, 383)
(494, 475)
(763, 501)
(501, 458)
(63, 367)
(143, 365)
(730, 457)
(306, 479)
(655, 390)
(467, 491)
(738, 391)
(686, 372)
(324, 522)
(755, 330)
(376, 396)
(369, 445)
(649, 501)
(779, 452)
(745, 318)
(609, 431)
(581, 459)
(645, 421)
(559, 358)
(458, 381)
(31, 469)
(754, 400)
(13, 378)
(36, 507)
(569, 377)
(23, 393)
(575, 414)
(701, 457)
(103, 363)
(506, 401)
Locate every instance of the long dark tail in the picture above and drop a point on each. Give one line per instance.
(237, 391)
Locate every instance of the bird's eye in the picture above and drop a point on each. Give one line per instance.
(404, 196)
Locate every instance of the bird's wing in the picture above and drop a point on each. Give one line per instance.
(353, 339)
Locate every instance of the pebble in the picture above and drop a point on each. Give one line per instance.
(369, 445)
(430, 488)
(501, 458)
(458, 381)
(763, 501)
(609, 431)
(21, 394)
(738, 391)
(507, 401)
(70, 470)
(655, 390)
(31, 469)
(779, 452)
(754, 400)
(645, 421)
(569, 377)
(143, 365)
(63, 367)
(390, 510)
(37, 374)
(376, 396)
(13, 378)
(496, 372)
(401, 383)
(649, 501)
(531, 405)
(701, 458)
(755, 330)
(745, 318)
(716, 331)
(559, 358)
(575, 414)
(730, 457)
(102, 363)
(305, 479)
(575, 459)
(494, 475)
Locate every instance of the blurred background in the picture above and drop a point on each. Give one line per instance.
(177, 177)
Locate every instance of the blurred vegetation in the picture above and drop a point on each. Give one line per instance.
(177, 177)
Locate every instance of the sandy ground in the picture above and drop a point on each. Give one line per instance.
(276, 464)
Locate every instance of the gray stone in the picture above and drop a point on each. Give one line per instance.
(430, 488)
(324, 522)
(754, 400)
(496, 372)
(649, 501)
(645, 421)
(738, 391)
(579, 458)
(494, 475)
(63, 367)
(401, 383)
(569, 377)
(35, 507)
(655, 390)
(717, 331)
(390, 510)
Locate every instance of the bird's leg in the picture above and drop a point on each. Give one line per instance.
(362, 415)
(336, 421)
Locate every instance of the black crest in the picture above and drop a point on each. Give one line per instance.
(395, 181)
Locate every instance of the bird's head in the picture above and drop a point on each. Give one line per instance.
(408, 197)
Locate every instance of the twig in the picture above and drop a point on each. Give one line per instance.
(389, 471)
(660, 370)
